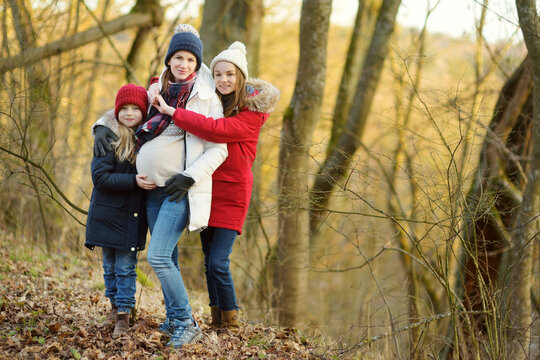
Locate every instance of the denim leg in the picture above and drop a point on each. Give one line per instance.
(207, 237)
(167, 229)
(218, 268)
(109, 259)
(153, 205)
(154, 200)
(174, 256)
(126, 277)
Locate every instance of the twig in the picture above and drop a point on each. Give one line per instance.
(369, 341)
(49, 178)
(127, 66)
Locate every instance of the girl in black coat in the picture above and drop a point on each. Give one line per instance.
(117, 216)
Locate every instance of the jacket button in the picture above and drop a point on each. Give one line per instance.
(132, 249)
(135, 214)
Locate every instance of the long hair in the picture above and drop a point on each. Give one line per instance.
(124, 146)
(233, 103)
(166, 79)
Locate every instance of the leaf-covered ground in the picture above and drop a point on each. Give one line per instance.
(51, 308)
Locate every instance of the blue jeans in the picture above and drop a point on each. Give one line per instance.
(120, 276)
(167, 221)
(217, 244)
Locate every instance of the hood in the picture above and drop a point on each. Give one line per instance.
(266, 98)
(108, 120)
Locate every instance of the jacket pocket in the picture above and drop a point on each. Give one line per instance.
(110, 200)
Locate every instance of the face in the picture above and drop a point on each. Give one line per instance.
(225, 77)
(183, 64)
(130, 115)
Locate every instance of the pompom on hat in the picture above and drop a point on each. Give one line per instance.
(236, 54)
(186, 28)
(131, 94)
(185, 38)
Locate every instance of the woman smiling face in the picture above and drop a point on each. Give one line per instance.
(182, 64)
(225, 77)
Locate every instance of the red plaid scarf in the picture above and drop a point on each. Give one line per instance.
(176, 96)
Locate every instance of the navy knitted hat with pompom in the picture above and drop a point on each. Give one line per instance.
(185, 38)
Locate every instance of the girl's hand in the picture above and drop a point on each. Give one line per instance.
(153, 90)
(143, 183)
(160, 104)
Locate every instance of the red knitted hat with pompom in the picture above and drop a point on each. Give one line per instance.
(131, 94)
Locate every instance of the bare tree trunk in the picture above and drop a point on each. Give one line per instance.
(91, 84)
(491, 211)
(298, 125)
(135, 53)
(527, 222)
(38, 99)
(226, 21)
(337, 163)
(365, 15)
(79, 130)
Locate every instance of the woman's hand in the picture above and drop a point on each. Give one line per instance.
(160, 104)
(153, 90)
(143, 183)
(177, 187)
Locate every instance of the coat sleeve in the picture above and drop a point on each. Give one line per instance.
(214, 154)
(105, 179)
(243, 127)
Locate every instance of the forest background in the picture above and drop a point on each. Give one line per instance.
(395, 194)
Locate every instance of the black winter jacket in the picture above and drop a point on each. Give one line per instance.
(117, 213)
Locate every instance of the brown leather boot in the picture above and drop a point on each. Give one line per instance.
(229, 320)
(216, 317)
(110, 320)
(122, 324)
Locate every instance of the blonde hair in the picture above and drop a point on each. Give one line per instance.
(124, 146)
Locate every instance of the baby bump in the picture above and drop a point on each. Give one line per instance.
(161, 158)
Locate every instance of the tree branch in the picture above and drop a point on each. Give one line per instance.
(49, 178)
(74, 41)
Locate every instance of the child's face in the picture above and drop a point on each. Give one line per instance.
(225, 77)
(130, 115)
(183, 64)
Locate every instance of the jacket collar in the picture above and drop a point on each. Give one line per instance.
(204, 86)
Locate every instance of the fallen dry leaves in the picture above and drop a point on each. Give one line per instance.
(50, 309)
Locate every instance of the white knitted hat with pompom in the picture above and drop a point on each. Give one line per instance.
(236, 54)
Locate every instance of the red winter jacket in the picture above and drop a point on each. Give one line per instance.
(233, 180)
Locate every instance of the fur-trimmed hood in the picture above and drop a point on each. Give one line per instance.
(107, 119)
(266, 98)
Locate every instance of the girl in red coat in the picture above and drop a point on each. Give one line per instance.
(246, 107)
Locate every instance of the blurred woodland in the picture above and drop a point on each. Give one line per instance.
(397, 187)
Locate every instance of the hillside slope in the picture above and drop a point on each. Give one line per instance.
(51, 308)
